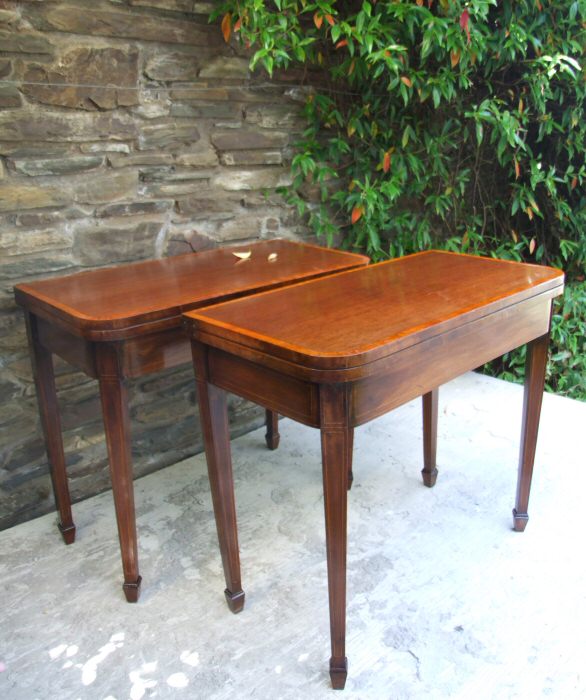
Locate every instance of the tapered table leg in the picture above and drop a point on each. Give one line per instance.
(214, 421)
(44, 375)
(535, 366)
(335, 439)
(114, 397)
(429, 471)
(272, 436)
(349, 457)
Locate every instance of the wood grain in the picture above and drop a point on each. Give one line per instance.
(130, 300)
(356, 317)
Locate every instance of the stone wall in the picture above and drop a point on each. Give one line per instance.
(128, 130)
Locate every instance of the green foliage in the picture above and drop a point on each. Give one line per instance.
(566, 368)
(439, 124)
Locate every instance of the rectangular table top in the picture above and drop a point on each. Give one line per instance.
(115, 300)
(356, 317)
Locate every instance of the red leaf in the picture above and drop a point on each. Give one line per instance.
(226, 27)
(574, 182)
(531, 246)
(517, 169)
(344, 42)
(238, 24)
(386, 162)
(318, 20)
(454, 58)
(464, 23)
(357, 212)
(331, 21)
(405, 80)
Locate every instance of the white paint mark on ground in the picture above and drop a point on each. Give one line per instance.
(89, 670)
(302, 658)
(55, 652)
(71, 651)
(139, 684)
(191, 658)
(178, 680)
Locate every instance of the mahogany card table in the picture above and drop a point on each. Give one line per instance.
(337, 352)
(123, 322)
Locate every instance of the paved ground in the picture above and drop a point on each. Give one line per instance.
(444, 600)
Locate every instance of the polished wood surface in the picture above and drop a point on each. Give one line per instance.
(128, 300)
(394, 304)
(337, 352)
(118, 323)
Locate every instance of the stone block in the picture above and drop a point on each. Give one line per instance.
(10, 97)
(19, 196)
(207, 110)
(100, 68)
(23, 449)
(55, 166)
(247, 139)
(275, 116)
(104, 147)
(189, 241)
(10, 389)
(12, 332)
(42, 219)
(207, 204)
(174, 189)
(206, 156)
(168, 134)
(33, 149)
(251, 158)
(109, 187)
(172, 67)
(19, 267)
(20, 41)
(168, 5)
(200, 91)
(122, 24)
(252, 179)
(203, 8)
(26, 125)
(152, 108)
(115, 241)
(226, 67)
(240, 228)
(89, 189)
(5, 67)
(8, 16)
(134, 208)
(24, 242)
(140, 159)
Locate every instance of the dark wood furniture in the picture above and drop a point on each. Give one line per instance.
(337, 352)
(123, 322)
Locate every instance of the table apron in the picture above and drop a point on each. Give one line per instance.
(419, 369)
(76, 351)
(146, 354)
(278, 392)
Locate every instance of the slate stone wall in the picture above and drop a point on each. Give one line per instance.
(128, 130)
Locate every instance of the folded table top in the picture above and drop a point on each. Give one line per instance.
(118, 302)
(356, 317)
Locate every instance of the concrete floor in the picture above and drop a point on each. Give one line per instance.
(444, 599)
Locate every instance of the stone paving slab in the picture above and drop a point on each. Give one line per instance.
(444, 599)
